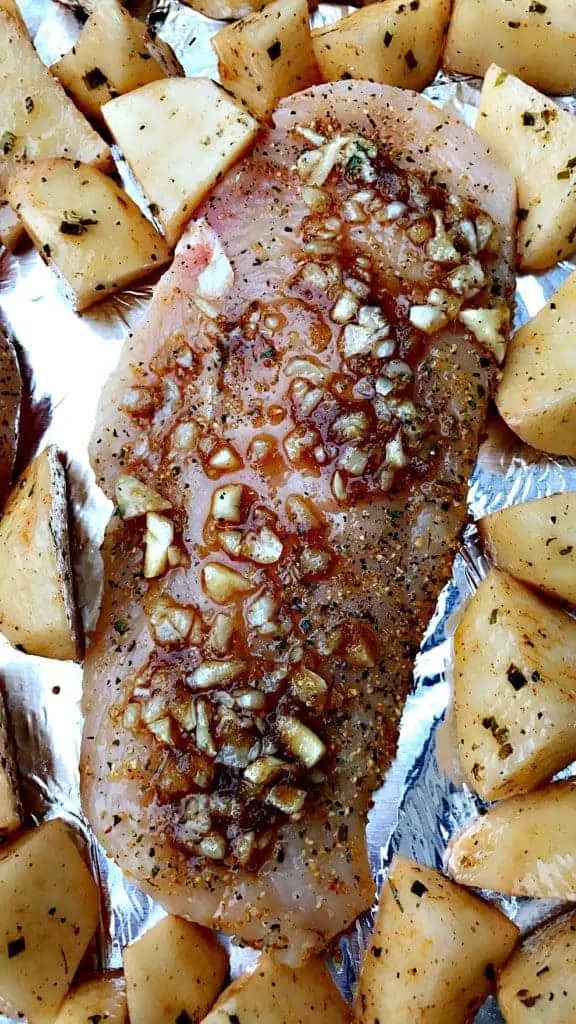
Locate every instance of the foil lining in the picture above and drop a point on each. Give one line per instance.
(66, 359)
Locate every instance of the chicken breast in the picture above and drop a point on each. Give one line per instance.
(288, 440)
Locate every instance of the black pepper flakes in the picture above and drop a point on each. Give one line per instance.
(16, 946)
(515, 677)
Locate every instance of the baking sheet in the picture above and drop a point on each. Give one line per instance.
(66, 359)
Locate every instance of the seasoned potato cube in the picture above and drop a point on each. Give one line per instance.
(536, 543)
(49, 914)
(37, 608)
(274, 994)
(173, 973)
(514, 688)
(537, 394)
(179, 136)
(10, 399)
(536, 141)
(102, 999)
(112, 56)
(227, 10)
(267, 55)
(536, 41)
(539, 981)
(9, 796)
(525, 846)
(86, 228)
(399, 44)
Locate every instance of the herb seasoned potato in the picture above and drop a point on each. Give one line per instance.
(267, 55)
(536, 141)
(10, 399)
(99, 1000)
(37, 608)
(536, 542)
(536, 41)
(537, 393)
(434, 950)
(227, 10)
(113, 55)
(539, 981)
(399, 44)
(37, 118)
(85, 228)
(514, 688)
(173, 973)
(10, 819)
(179, 136)
(50, 912)
(525, 846)
(273, 994)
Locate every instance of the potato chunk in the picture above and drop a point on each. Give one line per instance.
(514, 688)
(537, 394)
(399, 44)
(539, 981)
(49, 906)
(227, 10)
(173, 973)
(536, 141)
(267, 55)
(525, 846)
(536, 41)
(37, 607)
(10, 819)
(86, 228)
(112, 55)
(11, 7)
(274, 994)
(536, 543)
(434, 950)
(99, 1000)
(179, 136)
(10, 400)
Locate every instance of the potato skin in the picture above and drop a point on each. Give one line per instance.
(541, 974)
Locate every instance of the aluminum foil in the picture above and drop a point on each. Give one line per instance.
(66, 358)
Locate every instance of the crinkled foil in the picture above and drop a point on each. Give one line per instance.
(66, 359)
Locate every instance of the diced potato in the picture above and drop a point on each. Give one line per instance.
(267, 55)
(173, 973)
(11, 7)
(11, 227)
(49, 914)
(536, 543)
(179, 136)
(434, 950)
(536, 141)
(10, 399)
(100, 1000)
(37, 607)
(539, 981)
(399, 44)
(525, 846)
(274, 994)
(536, 41)
(10, 819)
(112, 56)
(86, 229)
(37, 118)
(514, 688)
(537, 394)
(227, 10)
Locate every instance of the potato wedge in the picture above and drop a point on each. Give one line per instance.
(525, 846)
(267, 55)
(514, 688)
(37, 608)
(399, 44)
(112, 56)
(537, 393)
(10, 817)
(536, 41)
(536, 543)
(173, 973)
(434, 950)
(179, 136)
(50, 912)
(539, 981)
(86, 229)
(99, 1000)
(10, 400)
(536, 141)
(37, 118)
(274, 994)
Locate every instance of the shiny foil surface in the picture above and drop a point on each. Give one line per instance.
(65, 360)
